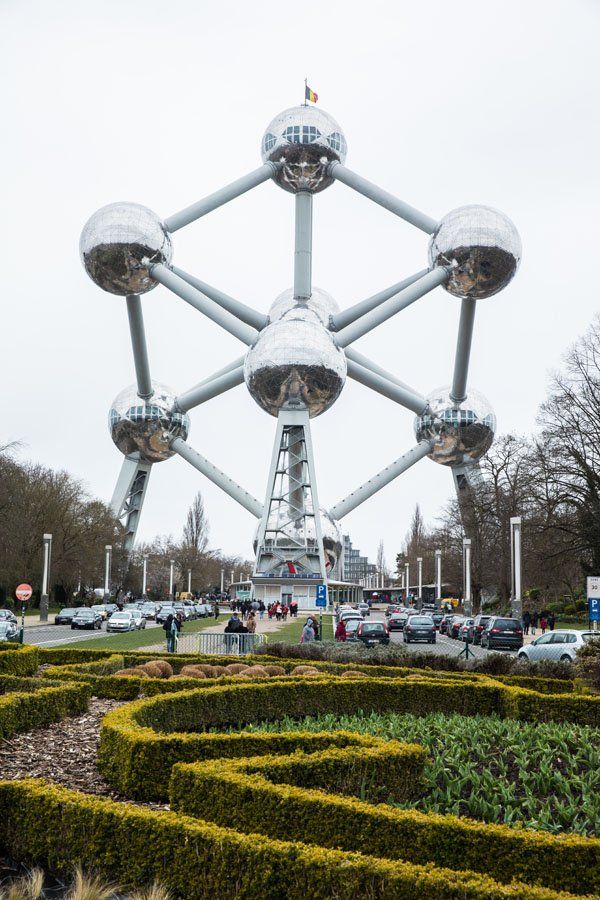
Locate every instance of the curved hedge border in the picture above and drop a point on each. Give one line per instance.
(19, 660)
(274, 796)
(197, 860)
(20, 711)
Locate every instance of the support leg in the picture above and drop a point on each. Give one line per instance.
(138, 343)
(129, 494)
(458, 392)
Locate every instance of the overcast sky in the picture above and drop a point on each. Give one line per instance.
(161, 103)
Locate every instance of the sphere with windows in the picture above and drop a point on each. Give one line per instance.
(460, 432)
(304, 140)
(147, 426)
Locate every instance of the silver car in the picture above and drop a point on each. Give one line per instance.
(139, 619)
(561, 645)
(121, 621)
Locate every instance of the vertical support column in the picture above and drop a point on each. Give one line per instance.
(107, 568)
(467, 599)
(407, 571)
(171, 578)
(222, 579)
(420, 579)
(458, 392)
(44, 599)
(303, 246)
(438, 575)
(138, 343)
(296, 472)
(515, 564)
(189, 581)
(144, 575)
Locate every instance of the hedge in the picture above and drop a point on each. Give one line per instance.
(20, 711)
(19, 660)
(272, 796)
(197, 860)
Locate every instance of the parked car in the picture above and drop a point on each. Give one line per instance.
(479, 623)
(562, 645)
(346, 616)
(466, 630)
(111, 608)
(390, 610)
(101, 609)
(138, 618)
(352, 626)
(86, 618)
(397, 621)
(164, 612)
(420, 628)
(502, 632)
(185, 610)
(148, 610)
(121, 621)
(437, 618)
(371, 633)
(444, 623)
(454, 625)
(9, 631)
(364, 609)
(65, 616)
(204, 610)
(6, 615)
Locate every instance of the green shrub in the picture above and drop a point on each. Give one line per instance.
(20, 711)
(19, 660)
(271, 797)
(196, 860)
(587, 664)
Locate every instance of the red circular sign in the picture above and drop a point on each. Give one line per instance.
(23, 592)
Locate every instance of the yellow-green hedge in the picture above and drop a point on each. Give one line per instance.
(273, 796)
(19, 660)
(20, 711)
(197, 860)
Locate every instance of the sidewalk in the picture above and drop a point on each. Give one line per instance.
(266, 626)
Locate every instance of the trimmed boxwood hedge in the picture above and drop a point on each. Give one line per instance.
(197, 860)
(273, 796)
(19, 660)
(20, 711)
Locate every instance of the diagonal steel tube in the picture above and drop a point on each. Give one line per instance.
(383, 198)
(139, 346)
(458, 392)
(218, 477)
(367, 363)
(375, 484)
(203, 304)
(347, 316)
(235, 364)
(392, 306)
(404, 396)
(206, 390)
(220, 197)
(238, 309)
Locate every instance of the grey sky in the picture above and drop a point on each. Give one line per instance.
(161, 103)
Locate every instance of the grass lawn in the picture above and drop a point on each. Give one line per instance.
(536, 775)
(132, 640)
(291, 631)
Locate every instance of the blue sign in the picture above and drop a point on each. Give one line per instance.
(594, 609)
(322, 595)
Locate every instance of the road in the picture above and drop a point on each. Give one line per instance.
(443, 644)
(54, 635)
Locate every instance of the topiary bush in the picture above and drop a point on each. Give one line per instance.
(587, 664)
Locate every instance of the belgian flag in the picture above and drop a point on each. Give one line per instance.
(310, 95)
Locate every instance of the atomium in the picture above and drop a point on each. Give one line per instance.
(482, 247)
(460, 432)
(118, 245)
(319, 302)
(295, 364)
(331, 532)
(305, 140)
(146, 426)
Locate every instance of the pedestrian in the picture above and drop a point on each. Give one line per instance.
(551, 621)
(340, 631)
(216, 611)
(261, 610)
(308, 633)
(526, 621)
(543, 623)
(251, 622)
(534, 620)
(172, 626)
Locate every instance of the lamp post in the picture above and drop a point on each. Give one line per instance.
(467, 600)
(222, 579)
(144, 575)
(44, 599)
(420, 579)
(438, 575)
(171, 571)
(189, 581)
(515, 564)
(107, 568)
(407, 572)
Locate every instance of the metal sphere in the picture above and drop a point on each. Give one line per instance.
(116, 244)
(462, 432)
(305, 139)
(146, 426)
(332, 539)
(320, 302)
(295, 364)
(482, 247)
(331, 533)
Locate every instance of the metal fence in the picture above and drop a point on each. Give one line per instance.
(219, 644)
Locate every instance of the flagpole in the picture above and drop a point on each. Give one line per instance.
(305, 87)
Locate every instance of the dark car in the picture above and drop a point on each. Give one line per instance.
(371, 633)
(479, 623)
(86, 618)
(454, 626)
(8, 631)
(7, 616)
(397, 621)
(420, 628)
(65, 616)
(352, 626)
(466, 631)
(502, 632)
(164, 612)
(437, 618)
(444, 623)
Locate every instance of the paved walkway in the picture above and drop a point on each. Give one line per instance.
(264, 626)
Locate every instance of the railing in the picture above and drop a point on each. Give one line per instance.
(219, 644)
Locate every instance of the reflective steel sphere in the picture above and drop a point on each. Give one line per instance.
(332, 539)
(295, 364)
(481, 245)
(146, 426)
(292, 534)
(115, 242)
(320, 302)
(306, 140)
(462, 432)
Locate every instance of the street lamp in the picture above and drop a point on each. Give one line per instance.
(438, 574)
(189, 581)
(144, 575)
(222, 579)
(420, 578)
(44, 599)
(171, 577)
(515, 565)
(107, 568)
(467, 601)
(407, 571)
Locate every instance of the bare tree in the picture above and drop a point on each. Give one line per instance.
(195, 532)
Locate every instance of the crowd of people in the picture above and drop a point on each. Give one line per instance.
(531, 620)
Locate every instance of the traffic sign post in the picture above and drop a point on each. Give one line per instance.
(23, 594)
(322, 604)
(593, 597)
